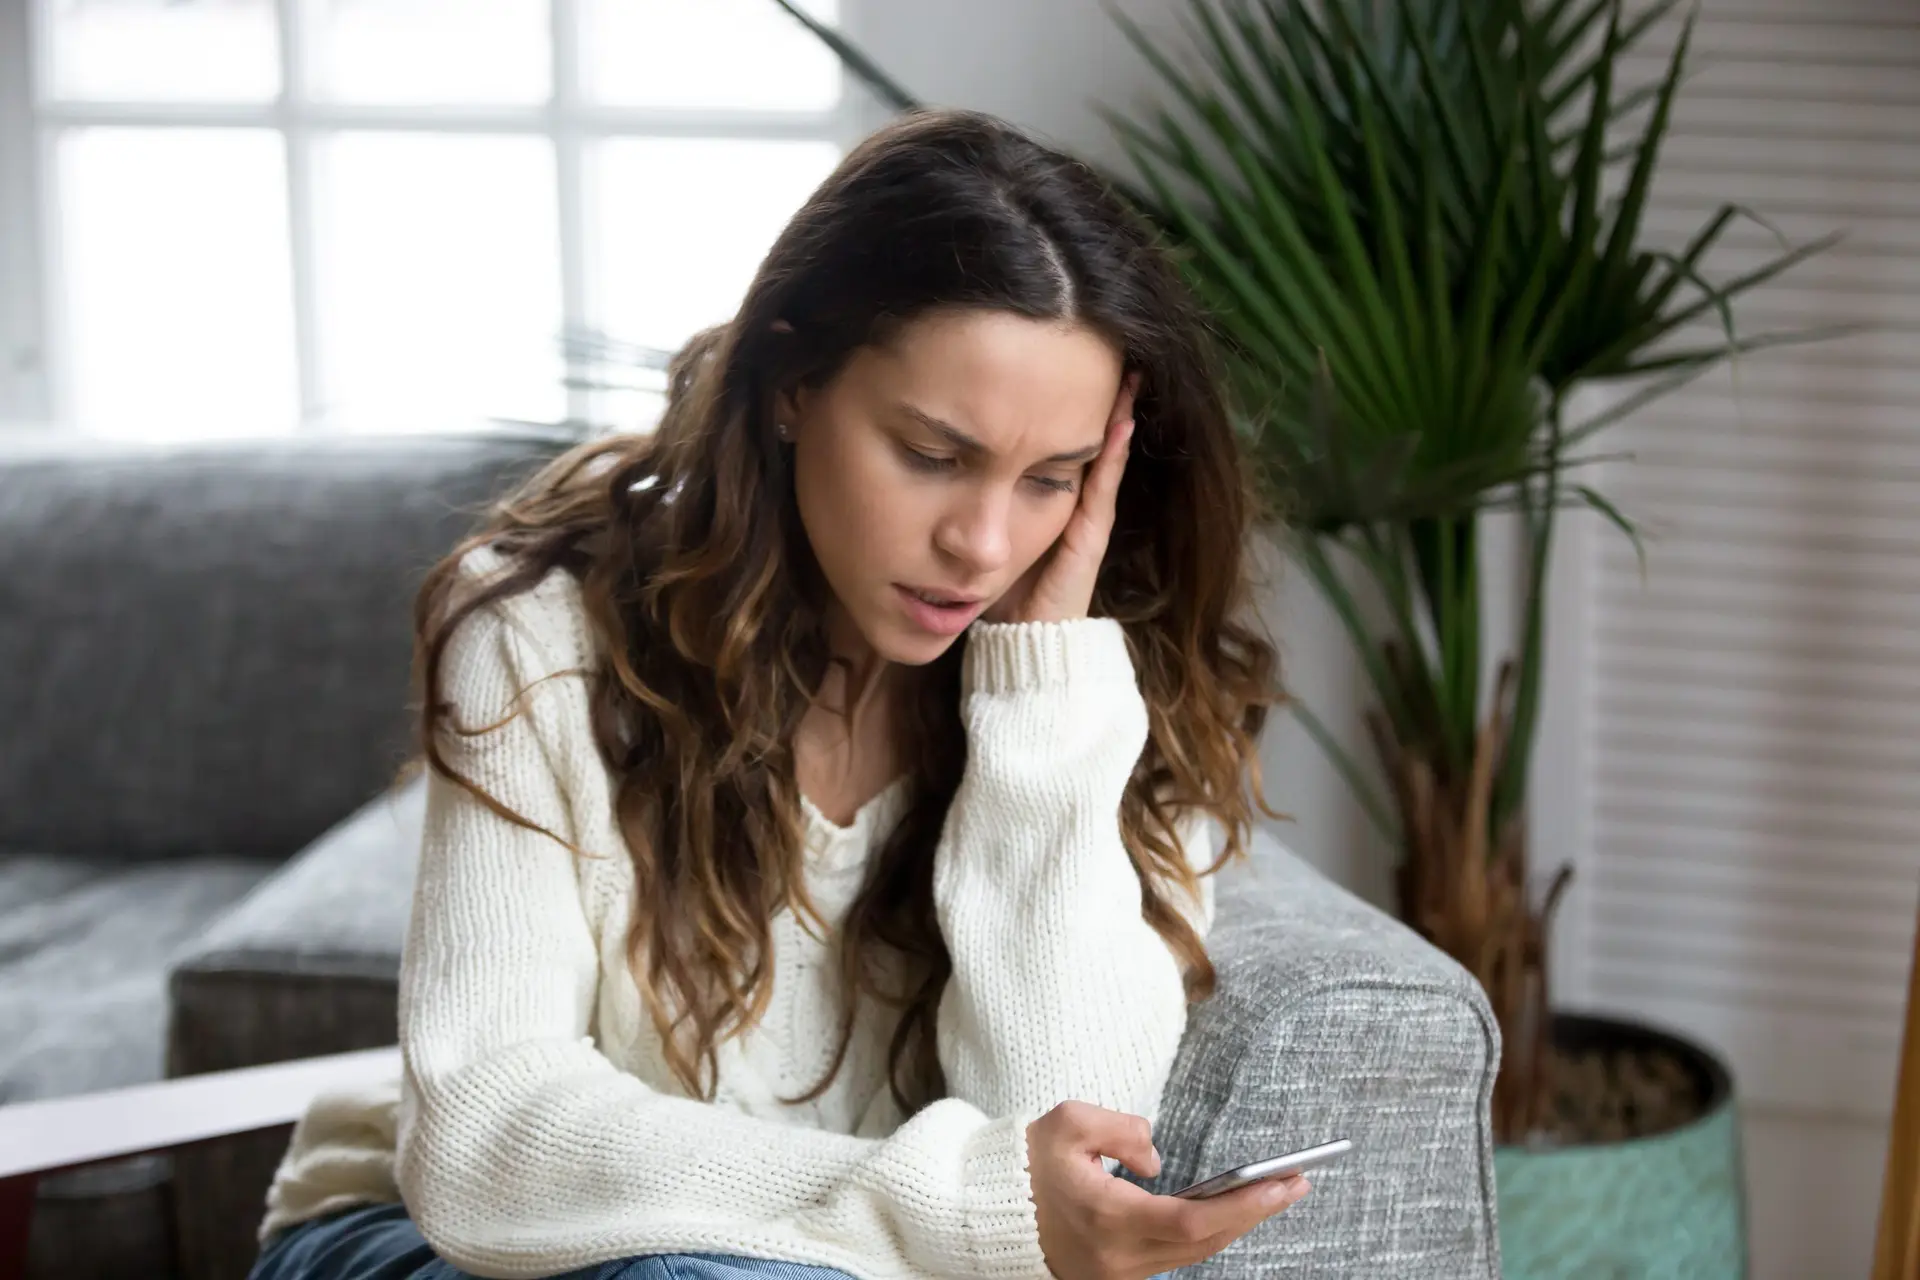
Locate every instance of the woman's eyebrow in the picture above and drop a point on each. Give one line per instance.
(967, 444)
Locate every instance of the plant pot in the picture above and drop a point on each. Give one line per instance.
(1670, 1204)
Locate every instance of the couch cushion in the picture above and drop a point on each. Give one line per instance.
(84, 952)
(207, 647)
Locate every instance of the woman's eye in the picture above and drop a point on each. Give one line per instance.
(934, 463)
(926, 461)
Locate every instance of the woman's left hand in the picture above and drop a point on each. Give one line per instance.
(1059, 587)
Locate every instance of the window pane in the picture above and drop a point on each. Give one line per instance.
(160, 50)
(179, 290)
(744, 54)
(432, 51)
(681, 226)
(439, 281)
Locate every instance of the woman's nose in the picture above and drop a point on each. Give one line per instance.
(975, 532)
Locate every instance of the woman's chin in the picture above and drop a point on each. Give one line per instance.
(898, 640)
(917, 651)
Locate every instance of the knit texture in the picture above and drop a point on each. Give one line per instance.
(537, 1128)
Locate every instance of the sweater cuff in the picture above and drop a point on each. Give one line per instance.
(1018, 657)
(1003, 1234)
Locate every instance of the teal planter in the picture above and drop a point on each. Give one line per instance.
(1667, 1207)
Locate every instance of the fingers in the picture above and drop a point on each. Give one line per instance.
(1123, 403)
(1132, 1146)
(1164, 1233)
(1103, 478)
(1068, 572)
(1274, 1204)
(1097, 1225)
(1224, 1217)
(1102, 488)
(1127, 1138)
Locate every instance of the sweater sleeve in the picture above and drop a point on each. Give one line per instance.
(1060, 990)
(523, 1151)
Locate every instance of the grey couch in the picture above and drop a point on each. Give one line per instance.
(203, 683)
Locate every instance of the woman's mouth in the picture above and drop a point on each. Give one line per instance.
(940, 612)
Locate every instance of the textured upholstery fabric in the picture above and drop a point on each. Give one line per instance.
(206, 649)
(1333, 1020)
(338, 910)
(84, 951)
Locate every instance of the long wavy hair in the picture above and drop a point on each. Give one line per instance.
(707, 606)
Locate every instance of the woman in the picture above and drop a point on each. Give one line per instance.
(765, 925)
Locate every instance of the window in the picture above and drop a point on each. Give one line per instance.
(260, 216)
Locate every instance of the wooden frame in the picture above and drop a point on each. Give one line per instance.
(1897, 1254)
(38, 1138)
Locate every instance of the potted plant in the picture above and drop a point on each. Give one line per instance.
(1420, 233)
(1418, 227)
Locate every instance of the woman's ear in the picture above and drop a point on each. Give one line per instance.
(786, 411)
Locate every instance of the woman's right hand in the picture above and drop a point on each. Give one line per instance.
(1094, 1226)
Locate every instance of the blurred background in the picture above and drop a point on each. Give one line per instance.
(227, 218)
(245, 217)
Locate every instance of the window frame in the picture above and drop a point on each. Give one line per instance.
(36, 379)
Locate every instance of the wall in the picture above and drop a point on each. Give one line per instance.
(1747, 796)
(1040, 63)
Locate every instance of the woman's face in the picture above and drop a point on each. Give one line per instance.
(942, 466)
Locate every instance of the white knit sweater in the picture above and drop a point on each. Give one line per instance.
(537, 1128)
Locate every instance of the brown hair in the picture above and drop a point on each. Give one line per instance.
(705, 601)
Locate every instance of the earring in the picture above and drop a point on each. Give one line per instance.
(782, 430)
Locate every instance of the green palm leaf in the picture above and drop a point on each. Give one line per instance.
(1407, 200)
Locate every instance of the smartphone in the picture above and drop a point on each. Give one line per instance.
(1260, 1170)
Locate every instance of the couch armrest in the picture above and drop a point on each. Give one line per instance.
(307, 964)
(1332, 1020)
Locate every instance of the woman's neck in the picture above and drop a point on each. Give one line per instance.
(857, 678)
(846, 750)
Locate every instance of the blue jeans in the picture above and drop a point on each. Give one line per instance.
(379, 1242)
